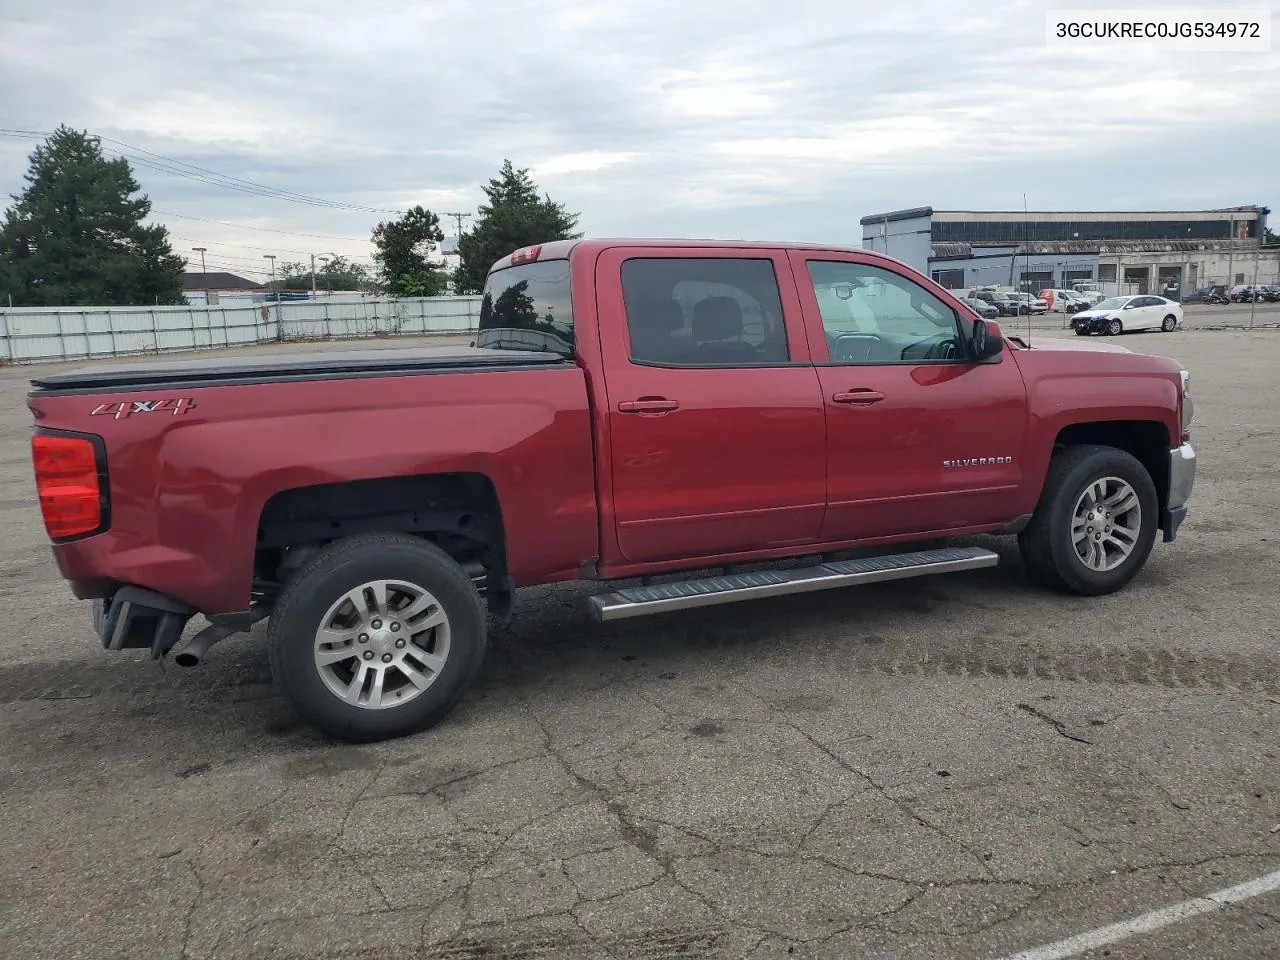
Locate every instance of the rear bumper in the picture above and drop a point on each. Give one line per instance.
(135, 617)
(1182, 479)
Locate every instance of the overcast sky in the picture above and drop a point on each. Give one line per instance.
(762, 120)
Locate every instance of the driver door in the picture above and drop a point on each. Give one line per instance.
(920, 439)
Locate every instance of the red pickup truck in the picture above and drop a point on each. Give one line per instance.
(635, 411)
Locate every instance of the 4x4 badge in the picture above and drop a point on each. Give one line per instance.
(123, 409)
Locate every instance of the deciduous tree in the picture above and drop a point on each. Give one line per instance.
(338, 274)
(402, 248)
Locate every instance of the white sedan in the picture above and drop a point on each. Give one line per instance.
(1124, 314)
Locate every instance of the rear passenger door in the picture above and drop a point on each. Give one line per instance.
(920, 438)
(1141, 314)
(716, 429)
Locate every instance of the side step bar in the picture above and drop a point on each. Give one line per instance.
(708, 591)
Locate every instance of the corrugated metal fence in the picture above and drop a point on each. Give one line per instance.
(66, 333)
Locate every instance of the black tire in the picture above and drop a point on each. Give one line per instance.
(1115, 328)
(1046, 542)
(343, 566)
(1081, 333)
(1169, 323)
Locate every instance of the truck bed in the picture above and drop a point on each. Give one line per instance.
(352, 364)
(194, 451)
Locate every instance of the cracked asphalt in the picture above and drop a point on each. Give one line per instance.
(960, 766)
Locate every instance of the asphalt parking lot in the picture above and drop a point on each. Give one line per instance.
(952, 767)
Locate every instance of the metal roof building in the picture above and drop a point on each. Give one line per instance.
(1153, 251)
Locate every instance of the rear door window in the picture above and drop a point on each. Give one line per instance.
(704, 312)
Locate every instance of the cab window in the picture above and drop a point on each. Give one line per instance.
(872, 315)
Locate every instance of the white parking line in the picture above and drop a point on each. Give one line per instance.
(1154, 920)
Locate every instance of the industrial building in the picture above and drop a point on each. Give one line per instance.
(1153, 251)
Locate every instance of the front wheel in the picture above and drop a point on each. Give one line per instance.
(1095, 524)
(1115, 328)
(1169, 323)
(377, 636)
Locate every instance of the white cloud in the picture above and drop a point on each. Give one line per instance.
(590, 161)
(645, 115)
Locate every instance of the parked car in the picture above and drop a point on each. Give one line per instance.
(1002, 300)
(1248, 293)
(607, 426)
(1214, 293)
(988, 311)
(1029, 304)
(1078, 302)
(1090, 295)
(1271, 292)
(1125, 314)
(1064, 301)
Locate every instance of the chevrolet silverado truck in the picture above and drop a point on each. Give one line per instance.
(697, 422)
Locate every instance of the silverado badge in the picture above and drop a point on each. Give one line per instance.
(977, 462)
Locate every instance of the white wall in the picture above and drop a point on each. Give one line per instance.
(908, 240)
(67, 333)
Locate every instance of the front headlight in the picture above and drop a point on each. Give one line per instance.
(1188, 406)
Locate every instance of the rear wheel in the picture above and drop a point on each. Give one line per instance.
(1169, 323)
(1115, 328)
(1095, 524)
(377, 636)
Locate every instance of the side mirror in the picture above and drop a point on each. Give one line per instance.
(986, 341)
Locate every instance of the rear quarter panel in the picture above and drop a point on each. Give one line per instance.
(187, 491)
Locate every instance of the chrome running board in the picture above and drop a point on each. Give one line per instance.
(731, 588)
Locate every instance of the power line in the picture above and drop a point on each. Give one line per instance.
(458, 218)
(204, 175)
(182, 168)
(229, 258)
(249, 246)
(248, 226)
(251, 266)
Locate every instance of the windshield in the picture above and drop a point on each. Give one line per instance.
(528, 308)
(1115, 303)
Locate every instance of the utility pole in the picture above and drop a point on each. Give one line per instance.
(1253, 294)
(313, 276)
(204, 274)
(458, 218)
(274, 289)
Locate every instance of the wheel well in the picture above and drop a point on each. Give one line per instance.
(1148, 440)
(459, 512)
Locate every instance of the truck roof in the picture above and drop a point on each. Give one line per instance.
(562, 249)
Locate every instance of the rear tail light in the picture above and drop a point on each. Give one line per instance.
(526, 254)
(69, 482)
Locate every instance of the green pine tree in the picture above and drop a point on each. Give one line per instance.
(515, 216)
(75, 236)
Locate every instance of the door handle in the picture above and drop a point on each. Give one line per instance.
(648, 405)
(862, 396)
